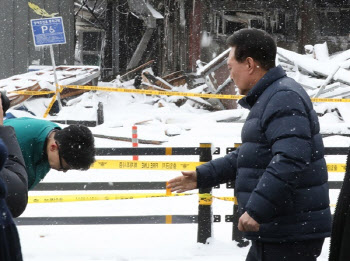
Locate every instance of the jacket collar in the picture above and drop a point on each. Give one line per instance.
(254, 94)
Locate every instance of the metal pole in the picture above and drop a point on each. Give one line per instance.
(135, 142)
(100, 118)
(58, 97)
(205, 200)
(115, 38)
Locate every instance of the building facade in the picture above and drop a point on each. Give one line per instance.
(17, 50)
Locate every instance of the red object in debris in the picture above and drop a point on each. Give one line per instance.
(135, 142)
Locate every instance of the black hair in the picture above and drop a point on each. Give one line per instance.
(254, 43)
(76, 145)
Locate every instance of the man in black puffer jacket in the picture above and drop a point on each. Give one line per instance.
(280, 171)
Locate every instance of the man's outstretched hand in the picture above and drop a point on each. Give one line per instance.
(187, 181)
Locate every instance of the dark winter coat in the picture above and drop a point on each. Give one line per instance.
(280, 170)
(340, 239)
(10, 248)
(14, 173)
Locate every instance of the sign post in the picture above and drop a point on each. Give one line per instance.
(49, 31)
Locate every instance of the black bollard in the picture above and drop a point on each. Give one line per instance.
(340, 238)
(205, 200)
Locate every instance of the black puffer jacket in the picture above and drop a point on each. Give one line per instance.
(10, 247)
(280, 170)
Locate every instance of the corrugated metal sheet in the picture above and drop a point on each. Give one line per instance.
(17, 49)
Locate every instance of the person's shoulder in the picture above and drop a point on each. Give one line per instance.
(16, 121)
(31, 122)
(20, 119)
(288, 85)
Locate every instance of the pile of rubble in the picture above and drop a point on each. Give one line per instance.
(211, 78)
(322, 76)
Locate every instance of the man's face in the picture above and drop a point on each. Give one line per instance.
(239, 72)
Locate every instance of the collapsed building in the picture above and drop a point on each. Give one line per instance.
(119, 35)
(178, 39)
(177, 33)
(184, 35)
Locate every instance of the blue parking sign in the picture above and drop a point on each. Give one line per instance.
(48, 31)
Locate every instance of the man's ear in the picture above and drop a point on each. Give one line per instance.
(53, 146)
(251, 64)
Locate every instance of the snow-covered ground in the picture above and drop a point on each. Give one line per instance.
(175, 242)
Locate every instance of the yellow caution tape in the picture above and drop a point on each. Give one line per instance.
(329, 100)
(40, 11)
(205, 199)
(173, 165)
(145, 165)
(50, 105)
(94, 197)
(333, 167)
(185, 94)
(153, 92)
(233, 199)
(32, 93)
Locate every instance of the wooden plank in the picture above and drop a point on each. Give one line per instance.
(71, 92)
(17, 99)
(153, 80)
(131, 73)
(173, 75)
(182, 80)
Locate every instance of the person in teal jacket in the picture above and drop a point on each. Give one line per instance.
(44, 146)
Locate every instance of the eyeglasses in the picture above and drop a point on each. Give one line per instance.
(60, 158)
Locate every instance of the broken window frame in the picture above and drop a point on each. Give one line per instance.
(276, 22)
(333, 27)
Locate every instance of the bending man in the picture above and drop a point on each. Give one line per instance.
(43, 145)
